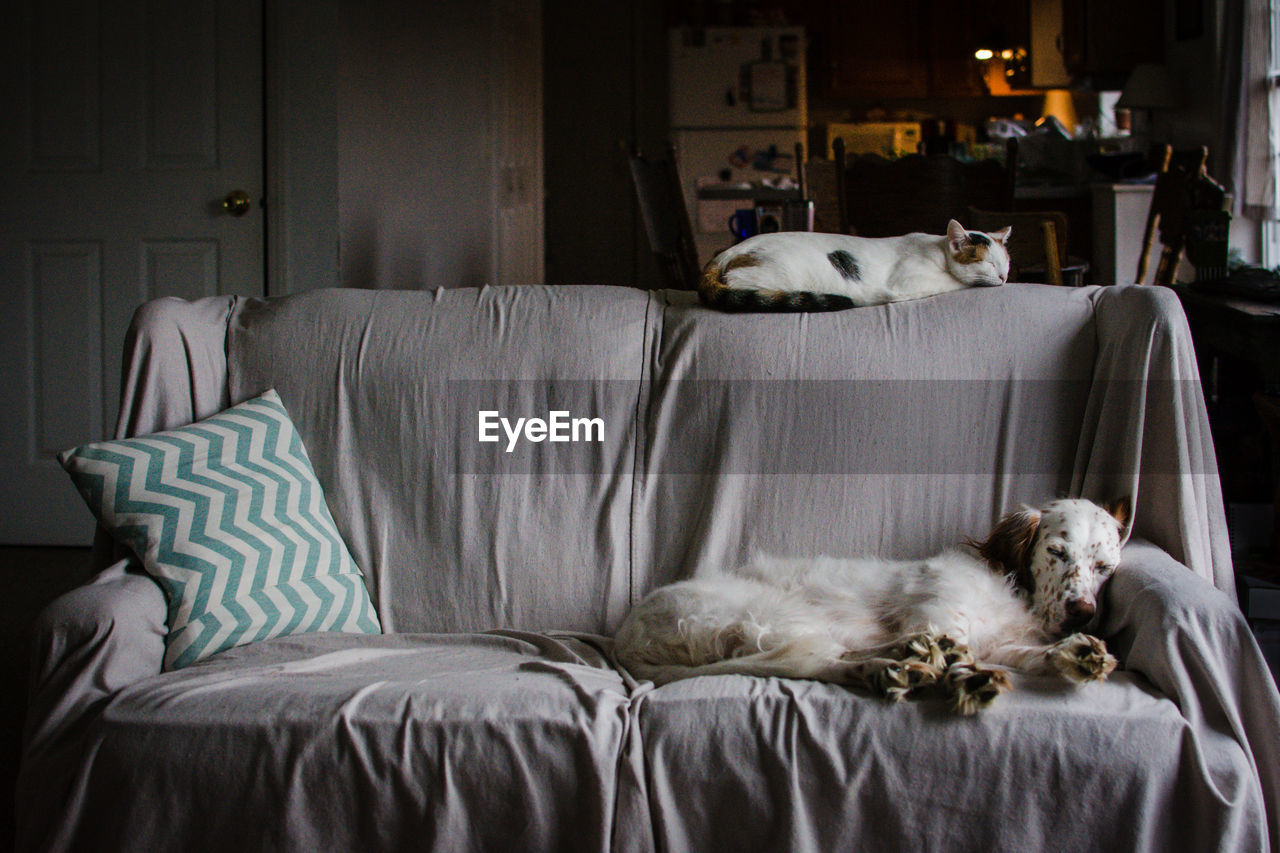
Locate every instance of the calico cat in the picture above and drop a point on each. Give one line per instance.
(805, 271)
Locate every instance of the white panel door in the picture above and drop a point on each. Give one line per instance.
(125, 126)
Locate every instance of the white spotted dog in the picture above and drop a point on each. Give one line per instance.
(950, 624)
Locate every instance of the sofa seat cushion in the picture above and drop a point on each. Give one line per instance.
(806, 766)
(332, 742)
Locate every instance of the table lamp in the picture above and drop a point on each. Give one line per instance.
(1148, 88)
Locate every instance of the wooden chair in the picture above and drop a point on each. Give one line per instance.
(666, 218)
(819, 182)
(1183, 190)
(884, 198)
(1159, 200)
(1037, 246)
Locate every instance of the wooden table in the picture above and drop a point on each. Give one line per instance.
(1248, 330)
(1242, 328)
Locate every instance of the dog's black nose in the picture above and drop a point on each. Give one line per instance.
(1079, 612)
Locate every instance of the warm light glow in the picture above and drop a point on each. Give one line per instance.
(1059, 104)
(1006, 55)
(983, 54)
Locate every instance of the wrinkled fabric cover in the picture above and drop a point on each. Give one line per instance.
(893, 430)
(1146, 430)
(385, 389)
(336, 742)
(899, 430)
(1158, 758)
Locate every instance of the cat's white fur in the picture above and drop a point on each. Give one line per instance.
(863, 270)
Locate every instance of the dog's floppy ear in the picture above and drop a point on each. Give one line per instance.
(1008, 548)
(1121, 509)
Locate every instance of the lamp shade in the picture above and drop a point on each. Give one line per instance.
(1148, 87)
(1058, 103)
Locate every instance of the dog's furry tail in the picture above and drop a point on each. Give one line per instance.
(716, 292)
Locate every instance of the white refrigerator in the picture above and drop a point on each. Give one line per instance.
(738, 109)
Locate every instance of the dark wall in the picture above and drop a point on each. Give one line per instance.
(415, 205)
(604, 95)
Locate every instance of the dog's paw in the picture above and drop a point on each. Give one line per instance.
(1082, 658)
(937, 650)
(897, 680)
(953, 652)
(923, 648)
(972, 687)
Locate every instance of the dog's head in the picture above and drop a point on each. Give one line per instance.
(1060, 555)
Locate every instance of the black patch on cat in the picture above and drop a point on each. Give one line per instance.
(804, 301)
(730, 299)
(845, 264)
(978, 239)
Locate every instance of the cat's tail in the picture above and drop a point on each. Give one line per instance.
(717, 293)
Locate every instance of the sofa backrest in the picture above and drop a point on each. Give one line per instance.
(895, 430)
(453, 533)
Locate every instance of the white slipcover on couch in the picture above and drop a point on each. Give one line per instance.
(488, 714)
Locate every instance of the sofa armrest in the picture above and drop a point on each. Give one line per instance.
(1193, 643)
(87, 645)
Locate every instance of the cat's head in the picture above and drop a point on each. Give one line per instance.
(977, 258)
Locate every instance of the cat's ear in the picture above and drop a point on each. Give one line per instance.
(1002, 236)
(956, 236)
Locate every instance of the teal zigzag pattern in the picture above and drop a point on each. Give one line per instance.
(229, 518)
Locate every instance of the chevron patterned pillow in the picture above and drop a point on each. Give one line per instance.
(228, 516)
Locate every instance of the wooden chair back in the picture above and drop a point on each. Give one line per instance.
(1037, 246)
(820, 183)
(1159, 199)
(666, 218)
(1183, 189)
(883, 198)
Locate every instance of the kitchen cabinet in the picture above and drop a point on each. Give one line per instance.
(924, 48)
(905, 49)
(953, 34)
(1106, 38)
(1048, 64)
(871, 49)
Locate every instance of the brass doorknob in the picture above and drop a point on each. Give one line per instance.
(237, 203)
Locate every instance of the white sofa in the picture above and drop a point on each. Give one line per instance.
(488, 715)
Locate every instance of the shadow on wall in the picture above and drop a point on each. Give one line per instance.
(415, 184)
(406, 264)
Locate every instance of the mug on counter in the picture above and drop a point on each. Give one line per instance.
(744, 224)
(770, 218)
